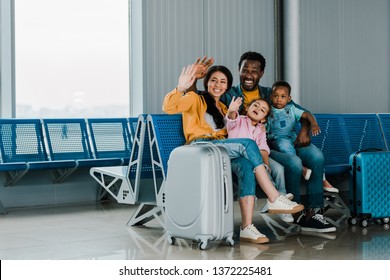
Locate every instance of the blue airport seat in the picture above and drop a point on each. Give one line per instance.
(166, 135)
(332, 141)
(23, 149)
(363, 132)
(123, 182)
(133, 123)
(384, 120)
(110, 138)
(141, 147)
(68, 141)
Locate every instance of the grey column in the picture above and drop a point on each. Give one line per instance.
(291, 46)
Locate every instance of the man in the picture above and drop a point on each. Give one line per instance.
(251, 70)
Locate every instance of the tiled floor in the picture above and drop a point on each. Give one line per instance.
(99, 231)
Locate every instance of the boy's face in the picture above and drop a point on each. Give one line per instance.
(280, 97)
(250, 74)
(258, 111)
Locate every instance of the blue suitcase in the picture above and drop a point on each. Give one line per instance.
(369, 190)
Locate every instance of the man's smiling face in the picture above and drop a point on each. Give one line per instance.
(250, 74)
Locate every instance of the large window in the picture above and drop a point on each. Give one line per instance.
(71, 58)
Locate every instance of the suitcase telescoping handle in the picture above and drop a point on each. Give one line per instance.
(226, 194)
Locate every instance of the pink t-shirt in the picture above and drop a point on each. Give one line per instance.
(242, 127)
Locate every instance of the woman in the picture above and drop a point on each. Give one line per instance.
(203, 120)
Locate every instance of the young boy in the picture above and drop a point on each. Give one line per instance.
(282, 120)
(252, 126)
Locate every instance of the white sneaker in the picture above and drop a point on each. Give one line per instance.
(283, 205)
(251, 234)
(287, 218)
(289, 196)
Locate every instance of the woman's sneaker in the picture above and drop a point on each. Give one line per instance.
(282, 205)
(251, 234)
(315, 223)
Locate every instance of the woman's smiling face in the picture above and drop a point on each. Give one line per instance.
(217, 84)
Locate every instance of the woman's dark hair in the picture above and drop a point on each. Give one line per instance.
(210, 101)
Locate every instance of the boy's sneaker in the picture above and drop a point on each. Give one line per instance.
(306, 173)
(315, 223)
(251, 234)
(287, 218)
(282, 205)
(328, 187)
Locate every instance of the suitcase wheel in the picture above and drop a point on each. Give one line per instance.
(352, 221)
(171, 239)
(229, 241)
(385, 220)
(363, 223)
(202, 245)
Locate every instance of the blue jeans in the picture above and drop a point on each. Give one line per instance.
(243, 169)
(239, 147)
(283, 145)
(277, 175)
(246, 178)
(311, 157)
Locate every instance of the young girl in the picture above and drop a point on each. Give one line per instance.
(203, 120)
(252, 126)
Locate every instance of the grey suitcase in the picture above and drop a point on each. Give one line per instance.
(199, 195)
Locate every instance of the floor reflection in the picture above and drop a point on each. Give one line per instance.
(99, 232)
